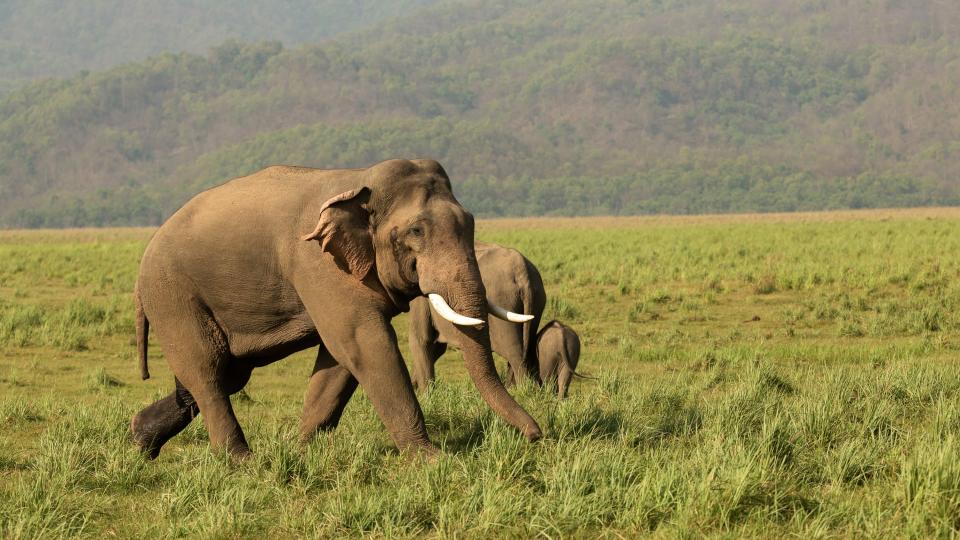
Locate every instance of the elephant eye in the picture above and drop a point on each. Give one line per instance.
(416, 231)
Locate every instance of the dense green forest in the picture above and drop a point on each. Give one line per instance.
(537, 107)
(44, 38)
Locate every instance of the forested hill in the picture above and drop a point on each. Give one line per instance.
(44, 38)
(536, 107)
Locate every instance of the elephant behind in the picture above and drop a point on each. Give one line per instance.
(511, 281)
(558, 350)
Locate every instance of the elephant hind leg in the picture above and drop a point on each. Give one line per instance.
(159, 422)
(424, 364)
(331, 387)
(563, 382)
(196, 349)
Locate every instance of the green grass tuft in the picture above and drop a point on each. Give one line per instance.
(825, 404)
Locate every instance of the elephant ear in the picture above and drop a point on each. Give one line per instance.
(343, 230)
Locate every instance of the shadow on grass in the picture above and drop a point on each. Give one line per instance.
(466, 436)
(11, 464)
(595, 424)
(463, 438)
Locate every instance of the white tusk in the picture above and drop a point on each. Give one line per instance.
(449, 314)
(501, 313)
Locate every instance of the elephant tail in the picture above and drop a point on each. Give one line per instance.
(573, 371)
(572, 349)
(143, 331)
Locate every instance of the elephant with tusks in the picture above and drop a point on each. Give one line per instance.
(246, 273)
(511, 282)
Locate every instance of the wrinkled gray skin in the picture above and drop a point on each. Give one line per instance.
(558, 349)
(512, 282)
(229, 284)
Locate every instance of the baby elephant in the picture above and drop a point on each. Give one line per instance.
(558, 349)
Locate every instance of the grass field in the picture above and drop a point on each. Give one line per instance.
(758, 376)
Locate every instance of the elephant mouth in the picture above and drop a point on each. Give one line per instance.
(410, 276)
(399, 298)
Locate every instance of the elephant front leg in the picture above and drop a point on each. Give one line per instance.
(425, 347)
(330, 388)
(563, 382)
(373, 358)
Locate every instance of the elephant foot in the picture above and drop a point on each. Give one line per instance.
(239, 453)
(147, 446)
(231, 443)
(152, 427)
(309, 433)
(422, 387)
(147, 440)
(421, 452)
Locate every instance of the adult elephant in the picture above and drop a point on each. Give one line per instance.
(511, 281)
(229, 284)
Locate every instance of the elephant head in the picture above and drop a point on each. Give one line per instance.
(404, 232)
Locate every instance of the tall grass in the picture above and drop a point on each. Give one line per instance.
(758, 453)
(754, 379)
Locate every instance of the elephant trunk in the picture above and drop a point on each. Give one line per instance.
(476, 352)
(469, 298)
